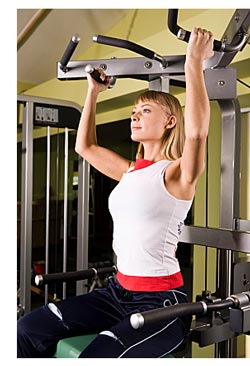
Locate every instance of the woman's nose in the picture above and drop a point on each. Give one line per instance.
(135, 117)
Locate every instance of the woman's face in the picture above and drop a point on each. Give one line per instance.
(149, 121)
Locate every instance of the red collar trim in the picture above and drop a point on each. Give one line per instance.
(142, 163)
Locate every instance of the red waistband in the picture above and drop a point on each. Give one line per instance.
(150, 284)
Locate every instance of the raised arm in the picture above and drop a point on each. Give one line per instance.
(197, 109)
(104, 160)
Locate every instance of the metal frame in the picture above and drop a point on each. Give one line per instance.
(238, 25)
(225, 239)
(220, 83)
(27, 195)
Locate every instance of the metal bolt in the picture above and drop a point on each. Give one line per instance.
(148, 64)
(103, 66)
(237, 17)
(245, 280)
(225, 39)
(221, 82)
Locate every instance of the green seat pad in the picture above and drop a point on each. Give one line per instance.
(73, 346)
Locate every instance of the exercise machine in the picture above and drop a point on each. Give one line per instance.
(217, 320)
(53, 115)
(162, 71)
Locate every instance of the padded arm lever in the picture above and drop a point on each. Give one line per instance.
(138, 320)
(131, 46)
(72, 276)
(69, 52)
(184, 35)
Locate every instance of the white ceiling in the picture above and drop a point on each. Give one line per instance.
(37, 57)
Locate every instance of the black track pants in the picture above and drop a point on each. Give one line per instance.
(105, 311)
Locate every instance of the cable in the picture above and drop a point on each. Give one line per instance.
(242, 82)
(131, 26)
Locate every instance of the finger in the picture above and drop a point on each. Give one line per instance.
(208, 35)
(204, 34)
(102, 73)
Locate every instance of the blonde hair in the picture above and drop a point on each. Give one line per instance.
(174, 138)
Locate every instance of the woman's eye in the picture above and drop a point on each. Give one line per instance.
(145, 110)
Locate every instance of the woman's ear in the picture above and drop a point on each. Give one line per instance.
(171, 122)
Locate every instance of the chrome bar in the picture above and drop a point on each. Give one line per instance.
(82, 220)
(65, 207)
(47, 212)
(216, 238)
(26, 207)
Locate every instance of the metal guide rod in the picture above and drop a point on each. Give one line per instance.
(26, 207)
(47, 211)
(82, 220)
(65, 204)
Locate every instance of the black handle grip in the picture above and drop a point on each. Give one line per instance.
(172, 21)
(95, 74)
(121, 43)
(69, 51)
(170, 312)
(183, 34)
(72, 276)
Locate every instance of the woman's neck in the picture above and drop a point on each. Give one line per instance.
(152, 157)
(152, 152)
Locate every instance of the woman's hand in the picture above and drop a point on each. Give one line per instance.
(95, 85)
(200, 45)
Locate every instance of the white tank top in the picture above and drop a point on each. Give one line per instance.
(147, 222)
